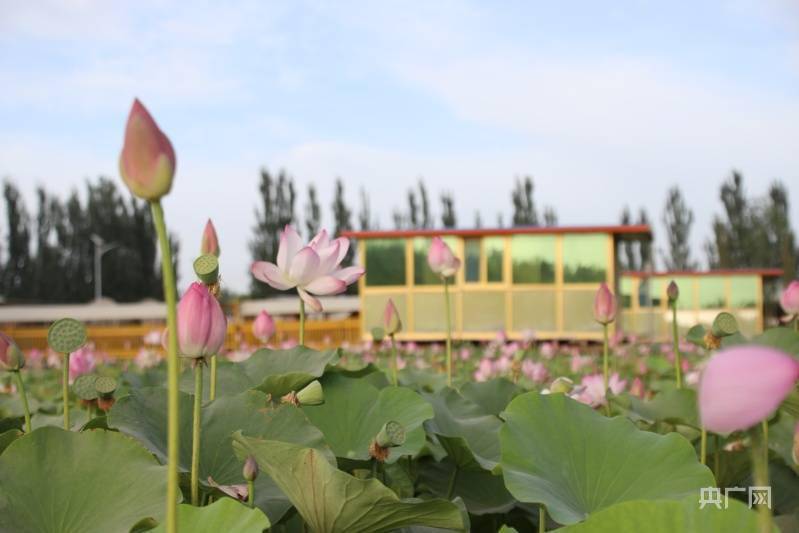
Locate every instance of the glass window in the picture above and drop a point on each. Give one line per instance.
(626, 292)
(472, 267)
(422, 275)
(711, 292)
(650, 292)
(744, 291)
(495, 251)
(385, 262)
(533, 258)
(585, 258)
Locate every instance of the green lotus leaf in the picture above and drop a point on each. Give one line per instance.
(492, 395)
(782, 338)
(355, 411)
(77, 419)
(561, 453)
(7, 437)
(331, 501)
(675, 406)
(225, 514)
(481, 491)
(66, 335)
(663, 516)
(53, 480)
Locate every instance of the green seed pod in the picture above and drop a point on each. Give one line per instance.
(207, 269)
(105, 385)
(378, 334)
(724, 325)
(66, 335)
(311, 394)
(84, 387)
(392, 435)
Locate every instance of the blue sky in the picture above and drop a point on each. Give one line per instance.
(604, 103)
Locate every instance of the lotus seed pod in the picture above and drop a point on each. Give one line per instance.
(378, 334)
(562, 384)
(105, 385)
(207, 269)
(66, 335)
(673, 292)
(392, 434)
(311, 394)
(84, 387)
(724, 325)
(250, 471)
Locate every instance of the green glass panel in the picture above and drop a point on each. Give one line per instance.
(533, 258)
(375, 304)
(578, 311)
(472, 266)
(483, 311)
(495, 251)
(711, 292)
(626, 292)
(429, 312)
(650, 292)
(385, 262)
(422, 275)
(534, 309)
(743, 291)
(585, 258)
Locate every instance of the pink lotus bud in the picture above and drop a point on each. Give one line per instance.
(11, 357)
(743, 385)
(250, 470)
(441, 259)
(147, 162)
(604, 305)
(391, 319)
(263, 327)
(790, 299)
(202, 325)
(673, 292)
(210, 242)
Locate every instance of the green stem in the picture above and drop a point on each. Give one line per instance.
(717, 456)
(251, 493)
(302, 322)
(452, 480)
(676, 340)
(703, 447)
(195, 435)
(605, 350)
(24, 397)
(542, 519)
(212, 390)
(393, 362)
(170, 295)
(374, 468)
(764, 427)
(65, 390)
(760, 475)
(449, 333)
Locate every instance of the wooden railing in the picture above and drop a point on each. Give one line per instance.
(124, 341)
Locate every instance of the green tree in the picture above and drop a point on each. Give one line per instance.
(313, 213)
(18, 271)
(627, 259)
(550, 216)
(425, 219)
(413, 211)
(678, 218)
(365, 214)
(524, 212)
(448, 217)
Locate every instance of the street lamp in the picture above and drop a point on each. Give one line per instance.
(100, 248)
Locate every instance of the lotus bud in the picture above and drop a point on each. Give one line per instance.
(391, 319)
(562, 384)
(147, 162)
(604, 305)
(673, 292)
(742, 385)
(789, 300)
(207, 269)
(250, 470)
(11, 357)
(202, 325)
(263, 327)
(391, 435)
(378, 334)
(724, 325)
(210, 243)
(311, 394)
(441, 259)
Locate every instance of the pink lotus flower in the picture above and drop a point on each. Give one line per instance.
(263, 327)
(82, 361)
(548, 350)
(312, 269)
(147, 162)
(441, 259)
(391, 318)
(637, 388)
(465, 354)
(202, 325)
(210, 242)
(535, 372)
(789, 300)
(604, 305)
(593, 392)
(743, 385)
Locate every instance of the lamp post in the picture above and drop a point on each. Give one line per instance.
(100, 248)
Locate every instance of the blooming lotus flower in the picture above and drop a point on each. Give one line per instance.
(441, 259)
(263, 327)
(789, 300)
(593, 391)
(743, 385)
(210, 243)
(604, 305)
(534, 371)
(82, 361)
(11, 357)
(202, 325)
(147, 162)
(313, 269)
(391, 319)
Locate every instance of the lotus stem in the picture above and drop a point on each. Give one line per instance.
(676, 340)
(449, 332)
(251, 493)
(542, 518)
(760, 475)
(168, 276)
(605, 357)
(65, 390)
(212, 389)
(302, 322)
(452, 480)
(24, 397)
(195, 434)
(703, 446)
(717, 456)
(374, 468)
(393, 362)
